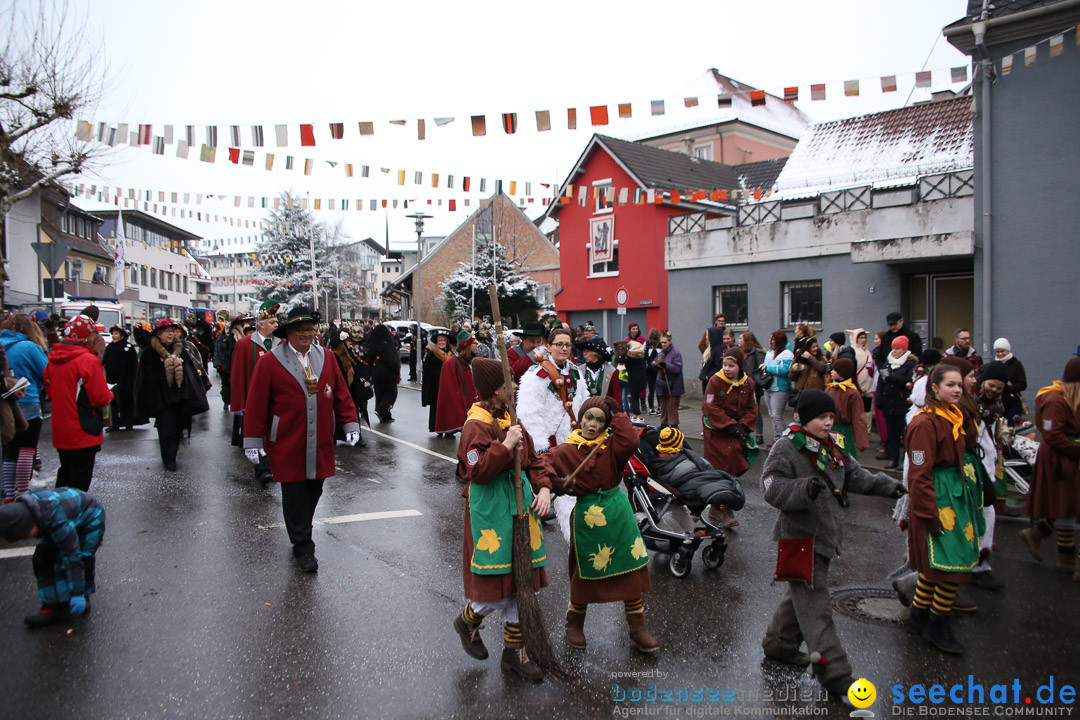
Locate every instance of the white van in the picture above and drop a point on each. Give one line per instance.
(110, 312)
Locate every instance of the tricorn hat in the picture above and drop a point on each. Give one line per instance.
(299, 314)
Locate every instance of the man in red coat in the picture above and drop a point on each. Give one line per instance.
(295, 396)
(247, 352)
(530, 351)
(75, 381)
(456, 390)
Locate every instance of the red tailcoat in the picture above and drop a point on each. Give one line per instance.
(297, 429)
(456, 395)
(245, 354)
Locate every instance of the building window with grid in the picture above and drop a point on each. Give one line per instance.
(153, 277)
(802, 302)
(142, 275)
(732, 301)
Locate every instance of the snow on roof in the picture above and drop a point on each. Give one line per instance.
(917, 140)
(776, 114)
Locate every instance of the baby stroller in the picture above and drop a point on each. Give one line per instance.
(659, 491)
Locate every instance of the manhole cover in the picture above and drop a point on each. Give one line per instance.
(876, 606)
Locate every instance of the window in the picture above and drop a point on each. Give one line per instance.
(605, 200)
(731, 300)
(610, 267)
(134, 276)
(142, 275)
(703, 152)
(543, 294)
(185, 284)
(603, 247)
(153, 277)
(802, 302)
(170, 279)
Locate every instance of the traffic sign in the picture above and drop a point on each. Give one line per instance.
(621, 297)
(52, 255)
(620, 311)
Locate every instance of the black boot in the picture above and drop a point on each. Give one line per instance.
(917, 620)
(940, 635)
(48, 615)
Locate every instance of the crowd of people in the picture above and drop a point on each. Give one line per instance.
(296, 386)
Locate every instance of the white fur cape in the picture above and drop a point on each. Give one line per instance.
(542, 413)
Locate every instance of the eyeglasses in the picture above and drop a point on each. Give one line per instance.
(304, 333)
(561, 345)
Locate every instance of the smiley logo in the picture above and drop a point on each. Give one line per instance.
(862, 693)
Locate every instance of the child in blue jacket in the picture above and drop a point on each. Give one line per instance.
(69, 525)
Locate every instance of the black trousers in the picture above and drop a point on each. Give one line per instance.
(894, 427)
(385, 397)
(76, 467)
(170, 424)
(122, 408)
(298, 502)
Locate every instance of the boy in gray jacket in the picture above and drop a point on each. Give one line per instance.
(807, 477)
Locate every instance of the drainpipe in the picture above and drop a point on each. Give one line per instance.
(979, 29)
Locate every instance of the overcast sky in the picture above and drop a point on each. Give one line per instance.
(211, 62)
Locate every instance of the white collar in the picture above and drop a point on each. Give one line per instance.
(302, 357)
(260, 339)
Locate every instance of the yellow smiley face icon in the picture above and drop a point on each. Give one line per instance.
(862, 693)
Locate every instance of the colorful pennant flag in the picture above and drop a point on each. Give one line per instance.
(182, 149)
(1029, 56)
(724, 100)
(1057, 44)
(690, 102)
(207, 153)
(1006, 64)
(757, 97)
(817, 92)
(624, 110)
(598, 115)
(281, 133)
(479, 125)
(234, 155)
(440, 121)
(367, 128)
(234, 135)
(888, 83)
(851, 88)
(922, 79)
(307, 135)
(337, 130)
(257, 135)
(571, 118)
(959, 74)
(509, 123)
(657, 107)
(543, 120)
(421, 129)
(791, 94)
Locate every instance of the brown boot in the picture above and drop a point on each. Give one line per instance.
(1065, 563)
(639, 634)
(516, 659)
(575, 629)
(470, 637)
(723, 516)
(1032, 539)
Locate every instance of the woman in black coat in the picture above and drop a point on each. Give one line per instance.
(121, 362)
(438, 349)
(169, 386)
(385, 360)
(896, 376)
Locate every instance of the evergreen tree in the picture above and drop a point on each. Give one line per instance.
(285, 254)
(517, 292)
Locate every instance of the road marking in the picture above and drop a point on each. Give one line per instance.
(342, 519)
(414, 446)
(16, 552)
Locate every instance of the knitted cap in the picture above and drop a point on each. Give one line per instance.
(1072, 371)
(91, 311)
(595, 402)
(838, 338)
(671, 440)
(900, 342)
(15, 521)
(814, 403)
(487, 376)
(165, 323)
(737, 355)
(845, 368)
(40, 316)
(80, 328)
(1002, 344)
(960, 364)
(996, 370)
(930, 356)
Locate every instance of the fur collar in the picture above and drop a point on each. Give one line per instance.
(160, 348)
(438, 352)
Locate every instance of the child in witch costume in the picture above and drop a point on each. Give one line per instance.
(849, 407)
(806, 477)
(945, 519)
(486, 463)
(608, 560)
(728, 415)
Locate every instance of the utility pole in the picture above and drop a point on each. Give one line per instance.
(419, 217)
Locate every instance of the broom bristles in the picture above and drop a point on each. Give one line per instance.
(537, 640)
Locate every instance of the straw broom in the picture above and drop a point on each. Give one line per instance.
(537, 640)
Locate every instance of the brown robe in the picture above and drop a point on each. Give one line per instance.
(932, 436)
(849, 409)
(603, 472)
(1056, 481)
(725, 408)
(492, 459)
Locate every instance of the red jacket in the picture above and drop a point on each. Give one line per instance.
(75, 381)
(245, 355)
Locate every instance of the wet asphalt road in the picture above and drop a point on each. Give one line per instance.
(201, 614)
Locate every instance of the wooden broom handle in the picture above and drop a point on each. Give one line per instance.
(508, 385)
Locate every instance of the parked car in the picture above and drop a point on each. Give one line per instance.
(405, 330)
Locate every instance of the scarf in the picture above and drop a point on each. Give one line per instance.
(952, 414)
(895, 362)
(478, 412)
(843, 385)
(731, 384)
(1057, 385)
(578, 440)
(1007, 358)
(826, 453)
(174, 364)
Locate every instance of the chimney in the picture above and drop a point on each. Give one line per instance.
(688, 146)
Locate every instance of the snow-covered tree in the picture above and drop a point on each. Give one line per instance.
(285, 254)
(468, 285)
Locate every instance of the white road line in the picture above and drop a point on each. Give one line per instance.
(342, 519)
(414, 446)
(16, 552)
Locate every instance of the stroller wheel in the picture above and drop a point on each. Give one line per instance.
(712, 555)
(679, 563)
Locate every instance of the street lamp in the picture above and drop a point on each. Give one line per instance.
(419, 217)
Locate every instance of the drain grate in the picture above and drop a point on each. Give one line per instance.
(876, 606)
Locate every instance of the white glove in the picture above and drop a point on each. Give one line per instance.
(352, 438)
(254, 454)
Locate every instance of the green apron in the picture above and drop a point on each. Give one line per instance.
(492, 507)
(847, 431)
(750, 449)
(607, 542)
(959, 501)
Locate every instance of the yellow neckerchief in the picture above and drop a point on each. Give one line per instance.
(843, 385)
(578, 440)
(479, 413)
(1058, 385)
(731, 384)
(952, 414)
